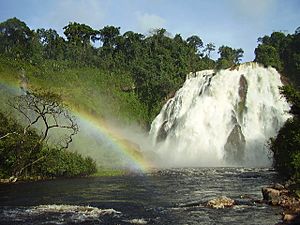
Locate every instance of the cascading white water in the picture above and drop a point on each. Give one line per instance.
(221, 119)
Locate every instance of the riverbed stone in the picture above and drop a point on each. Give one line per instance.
(12, 179)
(271, 195)
(288, 217)
(278, 186)
(279, 195)
(220, 203)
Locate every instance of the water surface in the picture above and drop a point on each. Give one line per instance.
(159, 197)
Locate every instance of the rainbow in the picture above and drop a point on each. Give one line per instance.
(125, 148)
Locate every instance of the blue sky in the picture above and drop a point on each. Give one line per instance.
(236, 23)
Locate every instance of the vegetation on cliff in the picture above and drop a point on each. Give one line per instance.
(286, 146)
(283, 52)
(132, 72)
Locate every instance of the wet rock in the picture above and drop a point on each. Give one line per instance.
(278, 186)
(170, 95)
(288, 217)
(235, 145)
(12, 179)
(278, 195)
(220, 203)
(271, 195)
(243, 90)
(162, 132)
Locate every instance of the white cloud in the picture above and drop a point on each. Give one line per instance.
(147, 22)
(90, 12)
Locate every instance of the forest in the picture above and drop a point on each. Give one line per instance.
(126, 76)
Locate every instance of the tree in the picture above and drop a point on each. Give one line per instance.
(282, 52)
(195, 42)
(15, 38)
(297, 31)
(268, 56)
(80, 34)
(21, 155)
(79, 47)
(276, 40)
(53, 44)
(132, 42)
(286, 146)
(210, 47)
(229, 57)
(108, 36)
(16, 148)
(43, 110)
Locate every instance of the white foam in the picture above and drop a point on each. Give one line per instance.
(199, 119)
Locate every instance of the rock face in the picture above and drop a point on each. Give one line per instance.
(220, 203)
(243, 90)
(235, 145)
(162, 133)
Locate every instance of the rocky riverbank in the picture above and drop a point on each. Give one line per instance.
(275, 195)
(8, 180)
(279, 195)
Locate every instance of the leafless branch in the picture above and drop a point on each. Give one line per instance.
(46, 109)
(8, 134)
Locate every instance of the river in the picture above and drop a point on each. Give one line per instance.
(158, 197)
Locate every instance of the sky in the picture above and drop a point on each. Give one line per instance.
(235, 23)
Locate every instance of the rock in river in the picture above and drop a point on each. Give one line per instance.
(220, 203)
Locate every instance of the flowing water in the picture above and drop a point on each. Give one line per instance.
(171, 196)
(221, 118)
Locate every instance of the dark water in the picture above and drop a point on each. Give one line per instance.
(159, 197)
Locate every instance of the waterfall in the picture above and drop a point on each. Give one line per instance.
(222, 118)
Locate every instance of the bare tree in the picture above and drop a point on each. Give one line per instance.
(44, 110)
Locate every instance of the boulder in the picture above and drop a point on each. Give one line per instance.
(271, 195)
(289, 217)
(220, 203)
(278, 187)
(12, 179)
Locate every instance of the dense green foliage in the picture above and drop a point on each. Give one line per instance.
(286, 146)
(140, 71)
(282, 52)
(229, 57)
(23, 155)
